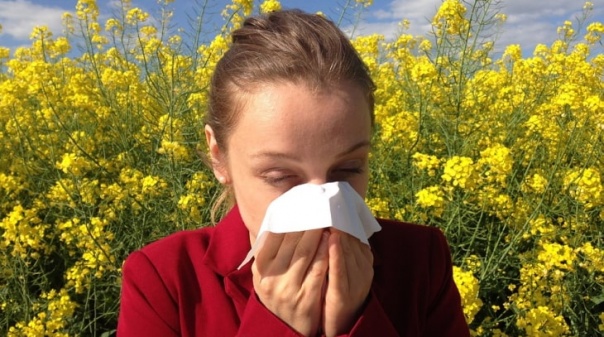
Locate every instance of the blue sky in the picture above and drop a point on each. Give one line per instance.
(529, 21)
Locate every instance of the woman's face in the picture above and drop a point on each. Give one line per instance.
(288, 135)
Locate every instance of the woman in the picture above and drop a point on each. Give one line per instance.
(290, 103)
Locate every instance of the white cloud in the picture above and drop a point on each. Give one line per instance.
(527, 35)
(116, 4)
(388, 29)
(19, 17)
(529, 23)
(419, 12)
(544, 8)
(381, 14)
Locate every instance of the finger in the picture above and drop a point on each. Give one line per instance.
(349, 255)
(317, 270)
(305, 252)
(359, 265)
(282, 259)
(356, 258)
(363, 257)
(366, 255)
(337, 264)
(269, 250)
(295, 248)
(356, 251)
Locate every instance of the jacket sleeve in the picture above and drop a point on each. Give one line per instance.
(146, 307)
(445, 314)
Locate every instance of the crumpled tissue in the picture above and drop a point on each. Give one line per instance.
(311, 206)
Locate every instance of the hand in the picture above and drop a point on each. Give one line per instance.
(349, 281)
(289, 274)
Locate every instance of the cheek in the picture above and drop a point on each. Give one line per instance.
(360, 184)
(252, 214)
(251, 198)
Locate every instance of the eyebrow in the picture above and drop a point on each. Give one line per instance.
(281, 155)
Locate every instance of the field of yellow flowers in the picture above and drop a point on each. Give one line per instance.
(99, 155)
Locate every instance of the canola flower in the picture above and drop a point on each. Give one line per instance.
(99, 155)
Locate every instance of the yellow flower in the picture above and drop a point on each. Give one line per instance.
(459, 172)
(468, 287)
(365, 3)
(431, 198)
(72, 163)
(542, 322)
(450, 18)
(174, 150)
(113, 24)
(554, 255)
(594, 32)
(535, 183)
(497, 163)
(270, 6)
(4, 53)
(425, 45)
(513, 52)
(136, 15)
(585, 185)
(426, 162)
(379, 207)
(87, 9)
(593, 258)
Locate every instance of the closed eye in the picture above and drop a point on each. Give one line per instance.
(278, 177)
(342, 174)
(351, 170)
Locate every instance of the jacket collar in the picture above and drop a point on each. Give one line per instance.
(229, 244)
(228, 247)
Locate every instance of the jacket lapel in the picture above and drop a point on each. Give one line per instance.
(227, 249)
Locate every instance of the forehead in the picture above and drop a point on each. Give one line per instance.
(297, 103)
(296, 115)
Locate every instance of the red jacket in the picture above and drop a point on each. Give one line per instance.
(188, 285)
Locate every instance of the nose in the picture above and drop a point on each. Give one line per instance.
(318, 181)
(318, 178)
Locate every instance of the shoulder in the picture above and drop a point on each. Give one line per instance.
(161, 278)
(169, 257)
(179, 245)
(167, 266)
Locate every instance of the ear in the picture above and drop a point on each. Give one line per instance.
(217, 157)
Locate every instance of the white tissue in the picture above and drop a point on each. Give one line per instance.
(311, 206)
